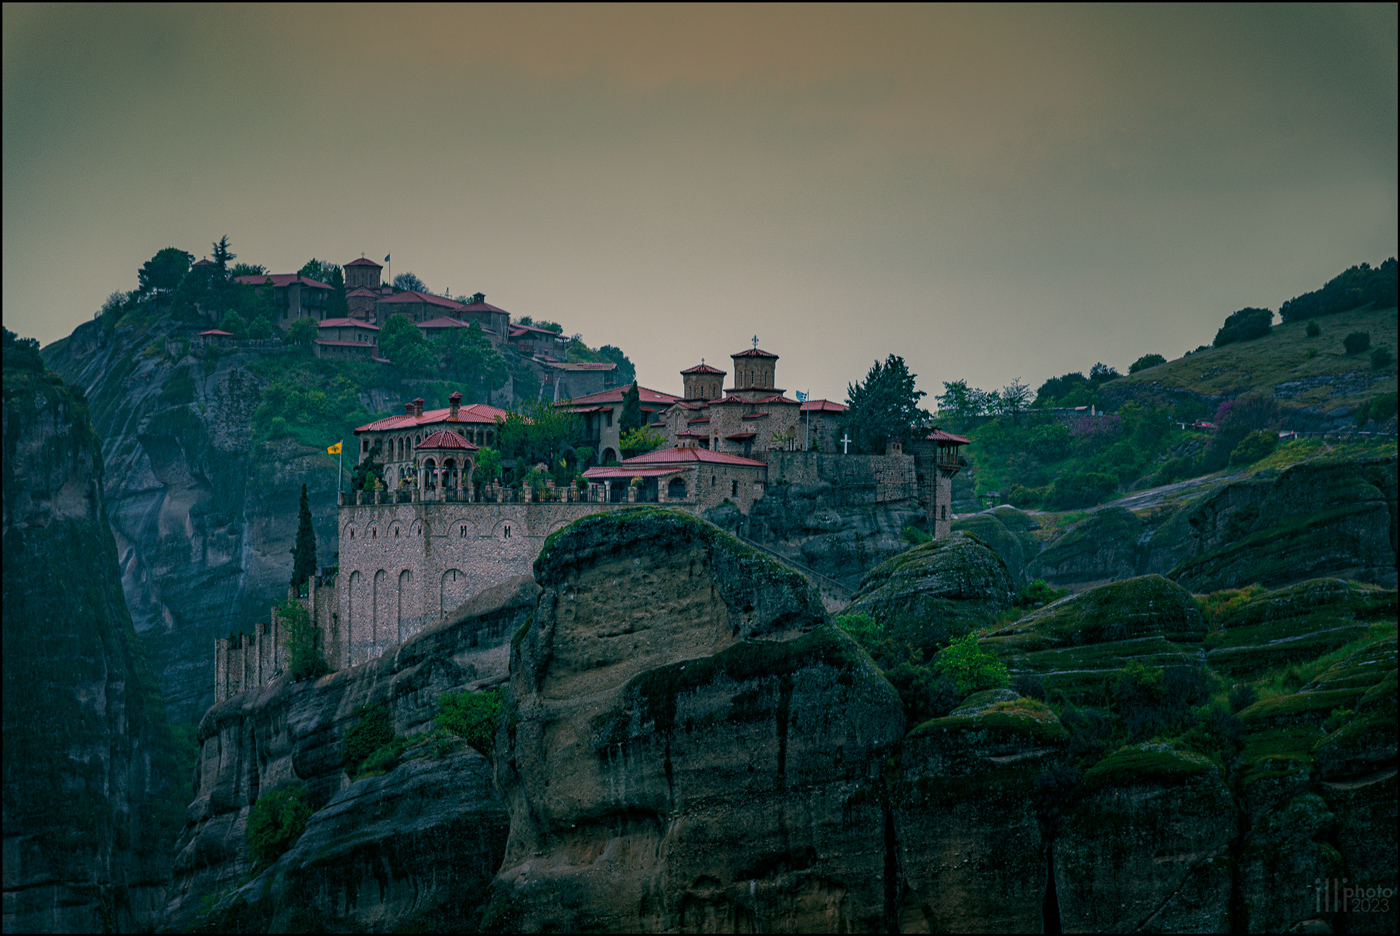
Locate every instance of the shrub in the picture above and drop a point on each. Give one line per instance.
(970, 667)
(1023, 496)
(472, 716)
(1380, 358)
(1242, 696)
(1380, 408)
(1029, 685)
(1312, 353)
(1244, 325)
(275, 823)
(306, 661)
(1080, 489)
(1146, 361)
(1038, 593)
(922, 694)
(1254, 446)
(861, 626)
(1175, 469)
(1314, 329)
(1356, 342)
(913, 535)
(373, 731)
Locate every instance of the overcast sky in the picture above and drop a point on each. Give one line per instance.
(990, 192)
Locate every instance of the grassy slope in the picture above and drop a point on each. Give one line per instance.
(1281, 357)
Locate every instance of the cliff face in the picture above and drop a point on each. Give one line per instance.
(87, 754)
(414, 847)
(689, 744)
(204, 519)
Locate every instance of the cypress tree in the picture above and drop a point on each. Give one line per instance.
(632, 417)
(304, 553)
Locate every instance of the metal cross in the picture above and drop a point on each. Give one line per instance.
(845, 444)
(755, 342)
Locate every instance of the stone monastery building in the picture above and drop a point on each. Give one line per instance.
(410, 555)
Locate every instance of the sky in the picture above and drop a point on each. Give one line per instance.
(990, 192)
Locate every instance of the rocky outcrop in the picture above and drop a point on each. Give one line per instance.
(949, 585)
(1103, 547)
(204, 516)
(688, 744)
(1314, 519)
(415, 847)
(1011, 535)
(91, 800)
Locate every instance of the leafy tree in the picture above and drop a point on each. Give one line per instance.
(402, 342)
(537, 434)
(305, 659)
(488, 466)
(470, 357)
(1057, 388)
(304, 552)
(1357, 286)
(22, 353)
(1313, 329)
(885, 405)
(165, 270)
(234, 324)
(1101, 374)
(260, 327)
(247, 269)
(1380, 358)
(550, 326)
(626, 373)
(1357, 342)
(1146, 361)
(631, 417)
(315, 269)
(409, 281)
(1244, 325)
(275, 823)
(969, 666)
(373, 731)
(302, 332)
(639, 441)
(368, 475)
(1049, 442)
(337, 306)
(1234, 420)
(1013, 399)
(1080, 489)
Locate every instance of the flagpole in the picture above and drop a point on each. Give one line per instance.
(340, 474)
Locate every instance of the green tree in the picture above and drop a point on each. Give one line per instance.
(626, 373)
(1244, 325)
(472, 716)
(304, 552)
(22, 353)
(1013, 399)
(470, 357)
(222, 255)
(275, 823)
(260, 327)
(1254, 446)
(960, 403)
(409, 281)
(337, 306)
(632, 417)
(536, 434)
(1313, 329)
(302, 332)
(165, 270)
(402, 342)
(304, 655)
(885, 405)
(488, 466)
(639, 441)
(247, 269)
(1146, 361)
(234, 324)
(969, 666)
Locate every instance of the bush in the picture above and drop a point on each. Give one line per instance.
(970, 667)
(1380, 358)
(1314, 329)
(1146, 361)
(922, 694)
(1244, 325)
(1175, 469)
(306, 660)
(913, 535)
(1030, 686)
(472, 716)
(861, 626)
(1380, 408)
(1356, 342)
(178, 388)
(1037, 593)
(1254, 446)
(373, 731)
(1023, 496)
(275, 823)
(1080, 489)
(1242, 696)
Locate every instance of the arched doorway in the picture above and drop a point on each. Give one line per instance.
(675, 489)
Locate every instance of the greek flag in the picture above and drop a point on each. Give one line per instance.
(801, 397)
(386, 258)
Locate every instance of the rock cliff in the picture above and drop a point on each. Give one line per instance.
(412, 848)
(688, 743)
(91, 804)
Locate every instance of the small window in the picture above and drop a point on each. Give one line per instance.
(396, 532)
(464, 532)
(733, 488)
(506, 531)
(945, 511)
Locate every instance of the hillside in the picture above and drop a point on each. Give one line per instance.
(1327, 385)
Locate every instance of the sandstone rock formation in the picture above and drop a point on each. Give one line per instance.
(1009, 533)
(89, 787)
(415, 847)
(688, 744)
(1104, 547)
(950, 585)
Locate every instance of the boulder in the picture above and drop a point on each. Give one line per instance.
(1103, 547)
(1009, 533)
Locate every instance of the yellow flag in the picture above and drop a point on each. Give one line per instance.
(334, 449)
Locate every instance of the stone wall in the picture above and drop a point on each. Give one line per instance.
(861, 479)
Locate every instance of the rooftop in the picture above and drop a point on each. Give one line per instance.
(279, 280)
(409, 296)
(615, 395)
(703, 369)
(938, 435)
(347, 323)
(364, 261)
(823, 406)
(445, 439)
(476, 413)
(755, 353)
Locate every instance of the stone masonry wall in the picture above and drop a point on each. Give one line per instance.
(862, 479)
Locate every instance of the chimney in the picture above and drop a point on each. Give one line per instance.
(418, 406)
(455, 401)
(408, 409)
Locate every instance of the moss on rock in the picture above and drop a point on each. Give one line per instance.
(1149, 763)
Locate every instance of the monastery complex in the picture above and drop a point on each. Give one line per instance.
(412, 553)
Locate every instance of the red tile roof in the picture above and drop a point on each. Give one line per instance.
(753, 416)
(617, 471)
(347, 323)
(702, 419)
(352, 344)
(583, 365)
(445, 439)
(444, 321)
(218, 334)
(203, 263)
(777, 399)
(476, 413)
(615, 395)
(941, 437)
(729, 399)
(741, 436)
(689, 435)
(754, 352)
(484, 307)
(365, 261)
(411, 296)
(361, 291)
(677, 455)
(703, 369)
(281, 279)
(822, 406)
(517, 330)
